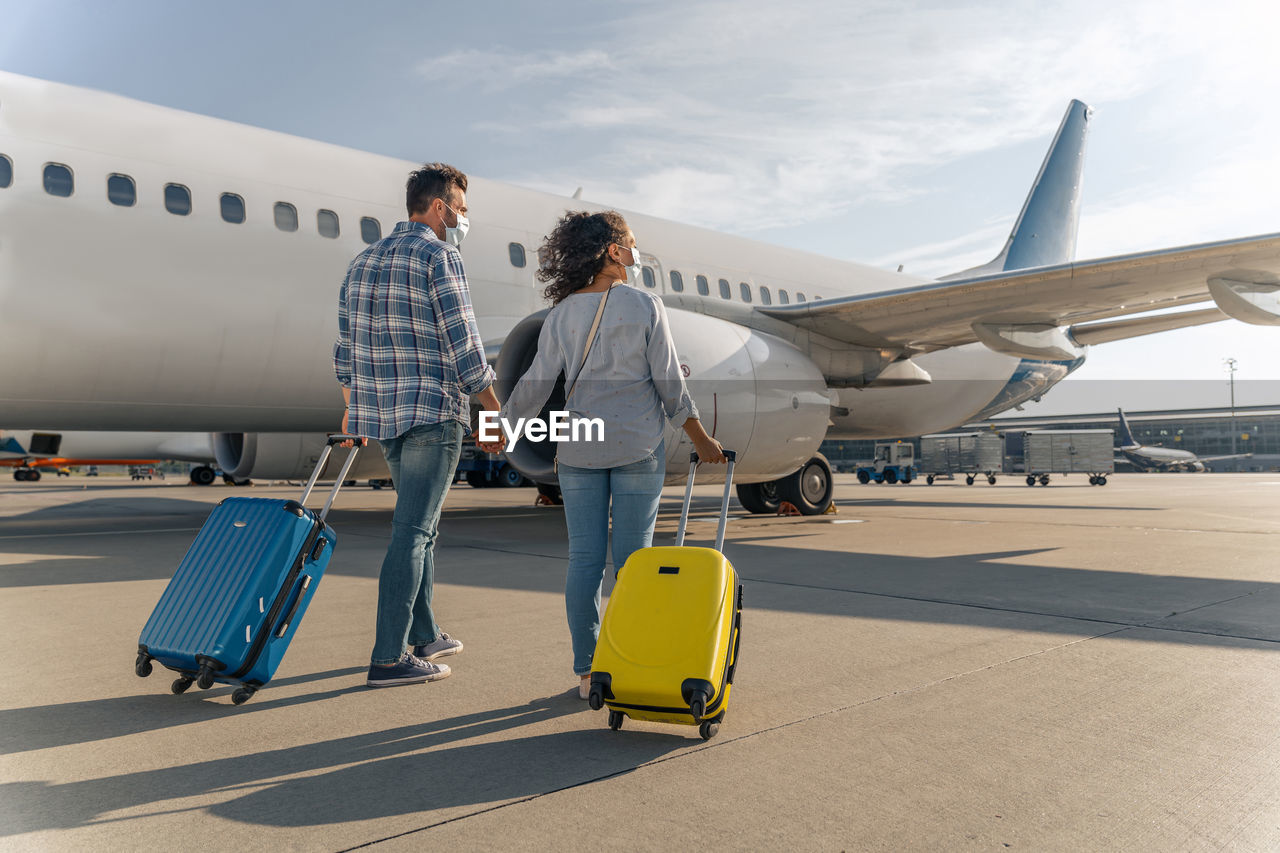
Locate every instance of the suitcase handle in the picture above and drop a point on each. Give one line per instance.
(732, 456)
(297, 602)
(324, 458)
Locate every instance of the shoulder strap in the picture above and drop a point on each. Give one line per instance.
(591, 338)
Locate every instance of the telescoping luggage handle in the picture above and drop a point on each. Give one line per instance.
(342, 476)
(724, 504)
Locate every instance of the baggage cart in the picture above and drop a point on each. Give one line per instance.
(1076, 451)
(971, 454)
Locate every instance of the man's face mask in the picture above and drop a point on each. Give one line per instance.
(454, 234)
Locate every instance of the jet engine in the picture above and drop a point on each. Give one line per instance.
(755, 393)
(288, 456)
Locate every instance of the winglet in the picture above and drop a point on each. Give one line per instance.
(1045, 232)
(1126, 437)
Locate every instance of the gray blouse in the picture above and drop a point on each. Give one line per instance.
(631, 380)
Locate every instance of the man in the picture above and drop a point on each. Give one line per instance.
(408, 357)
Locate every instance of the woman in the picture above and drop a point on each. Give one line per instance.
(630, 379)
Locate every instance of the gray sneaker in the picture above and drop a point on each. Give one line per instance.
(441, 648)
(408, 670)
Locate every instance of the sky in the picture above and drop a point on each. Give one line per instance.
(886, 133)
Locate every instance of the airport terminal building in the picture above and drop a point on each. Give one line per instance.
(1204, 432)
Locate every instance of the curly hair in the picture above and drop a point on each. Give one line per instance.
(576, 250)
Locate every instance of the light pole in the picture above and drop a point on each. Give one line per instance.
(1231, 379)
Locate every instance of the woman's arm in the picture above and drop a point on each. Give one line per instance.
(664, 367)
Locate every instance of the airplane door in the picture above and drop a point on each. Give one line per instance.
(651, 277)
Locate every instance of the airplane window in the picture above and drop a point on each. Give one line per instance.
(745, 290)
(649, 280)
(516, 252)
(725, 292)
(370, 229)
(327, 222)
(765, 298)
(6, 171)
(177, 199)
(121, 190)
(58, 180)
(703, 288)
(286, 216)
(677, 282)
(232, 208)
(783, 298)
(799, 297)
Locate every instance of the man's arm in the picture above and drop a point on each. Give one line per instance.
(451, 300)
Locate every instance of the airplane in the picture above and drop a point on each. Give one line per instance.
(27, 452)
(1147, 457)
(223, 246)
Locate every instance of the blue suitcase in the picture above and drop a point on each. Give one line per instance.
(238, 595)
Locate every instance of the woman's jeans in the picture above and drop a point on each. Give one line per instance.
(635, 490)
(422, 462)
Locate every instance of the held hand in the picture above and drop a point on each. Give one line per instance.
(495, 446)
(709, 450)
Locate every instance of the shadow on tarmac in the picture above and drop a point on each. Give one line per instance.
(44, 726)
(385, 780)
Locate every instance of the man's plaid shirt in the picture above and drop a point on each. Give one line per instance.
(407, 347)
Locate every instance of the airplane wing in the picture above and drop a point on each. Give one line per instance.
(1242, 276)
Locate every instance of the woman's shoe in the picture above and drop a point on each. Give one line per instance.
(584, 686)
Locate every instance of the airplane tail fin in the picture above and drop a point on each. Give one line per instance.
(1126, 437)
(1045, 231)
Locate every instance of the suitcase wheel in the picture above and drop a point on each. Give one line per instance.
(242, 695)
(205, 679)
(708, 729)
(142, 667)
(595, 698)
(615, 720)
(180, 685)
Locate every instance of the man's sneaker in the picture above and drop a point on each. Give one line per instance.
(408, 670)
(441, 648)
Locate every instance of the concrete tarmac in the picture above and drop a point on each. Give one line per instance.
(933, 668)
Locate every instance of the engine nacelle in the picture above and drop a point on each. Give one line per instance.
(289, 456)
(756, 393)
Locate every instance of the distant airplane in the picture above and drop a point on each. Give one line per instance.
(199, 292)
(28, 452)
(1148, 457)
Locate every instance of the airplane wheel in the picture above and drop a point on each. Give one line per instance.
(810, 488)
(509, 476)
(759, 498)
(203, 475)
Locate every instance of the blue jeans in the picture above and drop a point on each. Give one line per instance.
(422, 462)
(635, 490)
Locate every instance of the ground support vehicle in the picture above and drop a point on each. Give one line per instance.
(1076, 451)
(893, 464)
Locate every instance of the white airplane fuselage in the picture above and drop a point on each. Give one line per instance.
(133, 317)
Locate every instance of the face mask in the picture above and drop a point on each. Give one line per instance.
(633, 271)
(455, 234)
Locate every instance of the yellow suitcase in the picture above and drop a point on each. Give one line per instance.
(668, 641)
